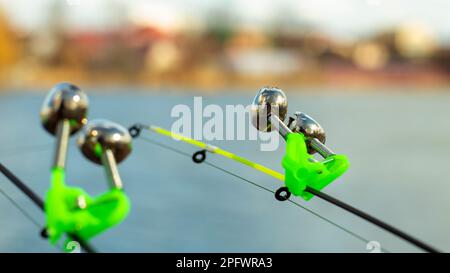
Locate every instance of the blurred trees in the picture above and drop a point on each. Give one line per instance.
(218, 53)
(10, 50)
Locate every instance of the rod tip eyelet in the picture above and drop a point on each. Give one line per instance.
(135, 130)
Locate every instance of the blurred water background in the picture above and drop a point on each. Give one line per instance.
(399, 172)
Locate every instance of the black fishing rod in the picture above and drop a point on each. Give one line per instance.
(282, 194)
(373, 220)
(198, 160)
(40, 204)
(306, 137)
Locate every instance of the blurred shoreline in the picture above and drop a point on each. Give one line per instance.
(210, 82)
(214, 53)
(215, 81)
(176, 90)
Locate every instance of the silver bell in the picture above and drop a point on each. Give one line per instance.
(65, 101)
(107, 143)
(311, 129)
(63, 113)
(268, 101)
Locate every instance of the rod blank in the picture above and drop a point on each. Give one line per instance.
(373, 220)
(40, 203)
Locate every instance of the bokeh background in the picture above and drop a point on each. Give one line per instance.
(214, 44)
(374, 73)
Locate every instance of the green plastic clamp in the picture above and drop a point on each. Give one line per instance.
(302, 170)
(64, 215)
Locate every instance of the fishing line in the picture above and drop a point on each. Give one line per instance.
(372, 220)
(23, 211)
(22, 186)
(349, 232)
(40, 203)
(200, 156)
(20, 208)
(26, 214)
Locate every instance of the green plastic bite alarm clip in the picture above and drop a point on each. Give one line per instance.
(303, 171)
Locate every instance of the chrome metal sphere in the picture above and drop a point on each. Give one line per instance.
(309, 128)
(65, 101)
(99, 135)
(269, 100)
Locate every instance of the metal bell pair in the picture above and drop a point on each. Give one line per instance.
(304, 137)
(69, 209)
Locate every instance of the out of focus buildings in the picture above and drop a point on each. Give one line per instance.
(218, 55)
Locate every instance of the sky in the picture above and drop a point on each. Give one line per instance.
(342, 18)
